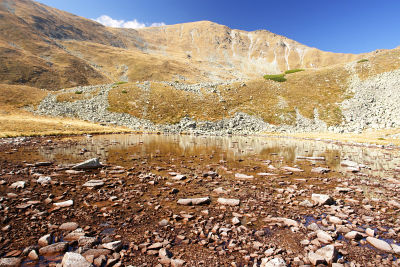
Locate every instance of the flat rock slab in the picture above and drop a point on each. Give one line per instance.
(64, 204)
(93, 163)
(243, 176)
(72, 259)
(379, 244)
(54, 248)
(229, 201)
(94, 183)
(194, 201)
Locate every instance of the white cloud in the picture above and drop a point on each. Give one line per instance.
(132, 24)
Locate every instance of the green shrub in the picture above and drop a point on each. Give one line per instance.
(293, 71)
(362, 60)
(276, 77)
(78, 92)
(124, 92)
(118, 83)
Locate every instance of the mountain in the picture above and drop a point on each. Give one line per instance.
(189, 76)
(49, 48)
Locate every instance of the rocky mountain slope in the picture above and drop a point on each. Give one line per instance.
(48, 48)
(198, 77)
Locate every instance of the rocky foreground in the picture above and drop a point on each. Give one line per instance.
(173, 210)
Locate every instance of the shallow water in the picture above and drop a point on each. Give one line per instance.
(109, 149)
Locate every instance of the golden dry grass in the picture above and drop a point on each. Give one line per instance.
(26, 124)
(275, 103)
(16, 121)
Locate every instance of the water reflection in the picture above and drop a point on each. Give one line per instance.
(380, 161)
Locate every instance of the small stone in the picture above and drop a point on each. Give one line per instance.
(194, 201)
(353, 235)
(93, 184)
(44, 180)
(64, 204)
(327, 254)
(229, 201)
(243, 176)
(68, 226)
(177, 262)
(18, 185)
(54, 248)
(45, 240)
(370, 232)
(33, 255)
(115, 246)
(396, 249)
(235, 220)
(72, 259)
(275, 262)
(88, 164)
(324, 237)
(164, 253)
(292, 169)
(179, 177)
(163, 222)
(322, 199)
(85, 241)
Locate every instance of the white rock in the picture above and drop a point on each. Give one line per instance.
(349, 163)
(380, 244)
(44, 180)
(370, 232)
(94, 183)
(335, 220)
(275, 262)
(115, 246)
(194, 201)
(64, 204)
(235, 220)
(72, 259)
(243, 176)
(292, 169)
(353, 235)
(18, 185)
(324, 237)
(229, 201)
(396, 248)
(327, 254)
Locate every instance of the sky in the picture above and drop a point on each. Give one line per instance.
(343, 26)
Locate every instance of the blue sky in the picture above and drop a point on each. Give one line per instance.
(347, 26)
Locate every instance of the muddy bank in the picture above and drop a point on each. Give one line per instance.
(257, 204)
